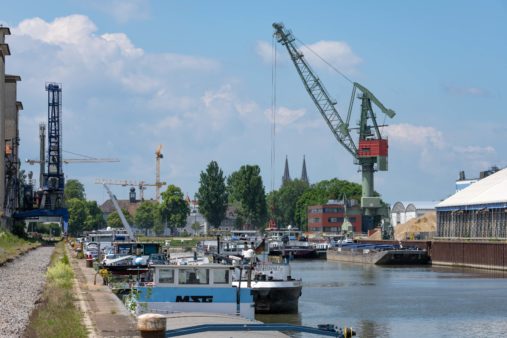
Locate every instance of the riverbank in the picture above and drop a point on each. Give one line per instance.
(12, 246)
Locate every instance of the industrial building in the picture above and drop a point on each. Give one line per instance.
(9, 136)
(402, 212)
(329, 217)
(476, 212)
(462, 182)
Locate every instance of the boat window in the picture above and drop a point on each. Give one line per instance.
(194, 276)
(166, 276)
(221, 276)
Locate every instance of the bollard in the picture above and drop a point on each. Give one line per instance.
(151, 325)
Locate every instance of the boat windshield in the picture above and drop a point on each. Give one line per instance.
(193, 276)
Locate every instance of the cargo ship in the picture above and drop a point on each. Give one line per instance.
(380, 254)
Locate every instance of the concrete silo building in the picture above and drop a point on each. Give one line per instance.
(402, 212)
(476, 212)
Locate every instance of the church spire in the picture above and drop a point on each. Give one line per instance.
(286, 175)
(304, 175)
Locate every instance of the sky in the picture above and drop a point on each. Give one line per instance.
(197, 77)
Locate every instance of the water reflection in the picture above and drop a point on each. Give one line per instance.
(399, 302)
(370, 328)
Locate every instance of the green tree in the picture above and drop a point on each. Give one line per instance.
(114, 221)
(173, 208)
(159, 226)
(73, 189)
(77, 215)
(282, 203)
(212, 194)
(94, 218)
(245, 186)
(146, 216)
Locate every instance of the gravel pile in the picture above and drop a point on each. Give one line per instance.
(21, 283)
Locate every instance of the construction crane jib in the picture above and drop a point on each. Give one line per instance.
(372, 150)
(124, 221)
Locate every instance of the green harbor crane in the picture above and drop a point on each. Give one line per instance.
(371, 151)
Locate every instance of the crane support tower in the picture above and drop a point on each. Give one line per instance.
(42, 154)
(51, 206)
(371, 151)
(54, 180)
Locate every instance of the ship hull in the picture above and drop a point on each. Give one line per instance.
(387, 257)
(272, 297)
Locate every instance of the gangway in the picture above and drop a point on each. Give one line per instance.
(322, 330)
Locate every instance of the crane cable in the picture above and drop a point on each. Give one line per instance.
(77, 154)
(324, 60)
(333, 68)
(273, 110)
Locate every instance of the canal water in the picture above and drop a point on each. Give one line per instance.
(381, 301)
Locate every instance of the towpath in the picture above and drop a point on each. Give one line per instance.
(104, 314)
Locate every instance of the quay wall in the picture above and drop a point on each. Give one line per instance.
(483, 255)
(472, 254)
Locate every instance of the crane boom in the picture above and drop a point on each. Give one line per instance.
(77, 160)
(124, 221)
(370, 152)
(318, 93)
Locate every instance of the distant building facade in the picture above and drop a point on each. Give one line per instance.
(329, 217)
(462, 182)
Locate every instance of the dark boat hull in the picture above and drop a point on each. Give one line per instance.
(387, 257)
(295, 253)
(271, 297)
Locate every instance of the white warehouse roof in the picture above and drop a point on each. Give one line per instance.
(489, 190)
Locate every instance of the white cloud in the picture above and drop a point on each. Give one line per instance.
(74, 53)
(284, 115)
(73, 29)
(467, 91)
(264, 50)
(409, 135)
(337, 53)
(124, 44)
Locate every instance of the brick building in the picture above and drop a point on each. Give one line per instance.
(329, 217)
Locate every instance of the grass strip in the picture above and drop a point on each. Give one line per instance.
(12, 246)
(57, 316)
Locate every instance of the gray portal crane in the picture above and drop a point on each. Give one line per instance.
(371, 151)
(124, 221)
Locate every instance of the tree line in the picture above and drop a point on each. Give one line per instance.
(243, 191)
(85, 215)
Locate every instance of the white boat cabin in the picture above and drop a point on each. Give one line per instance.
(194, 288)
